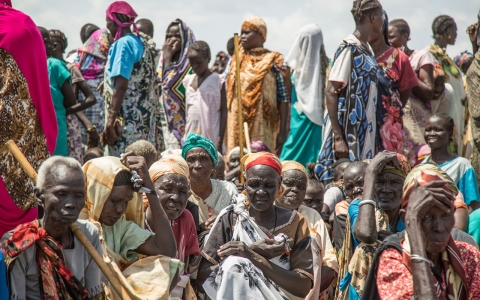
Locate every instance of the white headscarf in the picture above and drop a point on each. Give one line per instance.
(305, 58)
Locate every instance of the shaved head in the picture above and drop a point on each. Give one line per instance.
(145, 26)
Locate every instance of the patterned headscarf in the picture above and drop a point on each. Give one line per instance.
(401, 171)
(256, 24)
(100, 174)
(385, 27)
(169, 164)
(423, 174)
(195, 141)
(293, 165)
(122, 7)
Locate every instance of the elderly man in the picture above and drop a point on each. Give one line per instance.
(44, 259)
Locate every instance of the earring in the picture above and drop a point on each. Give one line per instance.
(449, 36)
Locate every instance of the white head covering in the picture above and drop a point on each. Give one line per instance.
(305, 58)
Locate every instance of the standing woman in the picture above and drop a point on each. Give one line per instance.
(24, 87)
(131, 106)
(418, 108)
(309, 62)
(350, 125)
(265, 83)
(172, 68)
(445, 33)
(91, 60)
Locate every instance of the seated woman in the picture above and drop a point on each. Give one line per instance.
(438, 134)
(110, 194)
(210, 195)
(424, 262)
(170, 177)
(295, 181)
(371, 220)
(44, 259)
(268, 253)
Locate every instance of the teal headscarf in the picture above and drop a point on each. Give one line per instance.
(195, 141)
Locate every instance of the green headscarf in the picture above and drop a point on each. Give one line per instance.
(195, 141)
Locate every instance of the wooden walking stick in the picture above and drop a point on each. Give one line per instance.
(247, 137)
(239, 101)
(27, 167)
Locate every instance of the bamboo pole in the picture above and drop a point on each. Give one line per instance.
(239, 101)
(27, 167)
(247, 137)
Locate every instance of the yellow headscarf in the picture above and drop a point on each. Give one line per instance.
(293, 165)
(100, 176)
(169, 164)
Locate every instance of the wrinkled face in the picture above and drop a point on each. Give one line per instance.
(262, 186)
(353, 181)
(314, 197)
(439, 87)
(116, 204)
(63, 196)
(250, 39)
(112, 27)
(199, 163)
(198, 61)
(295, 183)
(173, 34)
(388, 189)
(436, 133)
(173, 191)
(234, 160)
(395, 37)
(436, 228)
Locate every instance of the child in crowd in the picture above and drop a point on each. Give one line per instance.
(206, 104)
(335, 191)
(219, 170)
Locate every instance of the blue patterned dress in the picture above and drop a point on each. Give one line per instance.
(356, 111)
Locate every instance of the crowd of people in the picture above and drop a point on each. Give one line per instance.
(357, 180)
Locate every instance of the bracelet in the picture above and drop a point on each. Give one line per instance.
(94, 127)
(418, 258)
(363, 202)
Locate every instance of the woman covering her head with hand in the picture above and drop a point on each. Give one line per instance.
(131, 106)
(114, 206)
(424, 262)
(350, 130)
(254, 239)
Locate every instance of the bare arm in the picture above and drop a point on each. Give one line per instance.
(89, 101)
(425, 87)
(340, 144)
(69, 98)
(163, 242)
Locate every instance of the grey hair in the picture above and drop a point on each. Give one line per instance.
(47, 169)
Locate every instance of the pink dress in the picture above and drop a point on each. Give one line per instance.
(203, 106)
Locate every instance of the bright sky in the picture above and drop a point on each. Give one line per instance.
(215, 21)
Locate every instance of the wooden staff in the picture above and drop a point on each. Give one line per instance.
(239, 100)
(27, 167)
(247, 137)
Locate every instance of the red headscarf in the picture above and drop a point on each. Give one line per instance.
(262, 158)
(122, 7)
